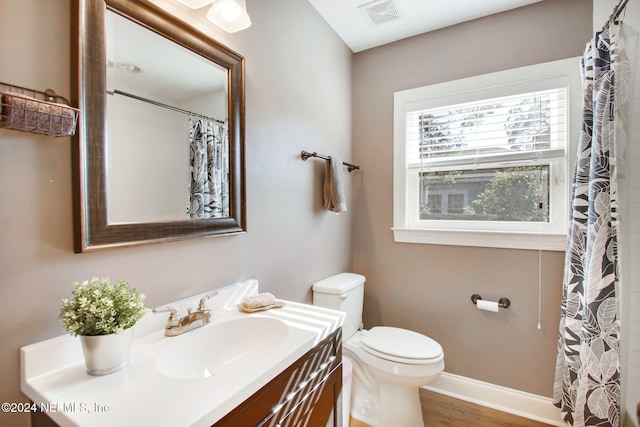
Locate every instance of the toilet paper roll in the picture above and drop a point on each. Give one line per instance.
(488, 305)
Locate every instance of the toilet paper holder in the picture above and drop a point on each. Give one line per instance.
(502, 302)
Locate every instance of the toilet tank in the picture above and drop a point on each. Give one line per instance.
(343, 292)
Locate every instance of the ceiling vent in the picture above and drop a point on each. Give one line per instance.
(380, 11)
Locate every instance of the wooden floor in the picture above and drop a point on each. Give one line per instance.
(439, 410)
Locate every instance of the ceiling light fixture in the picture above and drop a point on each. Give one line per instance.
(230, 15)
(196, 4)
(128, 67)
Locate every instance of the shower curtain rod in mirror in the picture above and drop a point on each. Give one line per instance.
(160, 104)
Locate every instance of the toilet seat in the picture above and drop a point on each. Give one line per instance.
(401, 345)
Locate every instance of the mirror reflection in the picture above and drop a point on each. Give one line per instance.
(167, 139)
(159, 152)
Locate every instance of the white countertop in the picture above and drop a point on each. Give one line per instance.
(54, 376)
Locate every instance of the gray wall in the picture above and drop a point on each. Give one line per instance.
(303, 86)
(299, 96)
(428, 287)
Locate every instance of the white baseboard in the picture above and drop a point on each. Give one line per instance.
(504, 399)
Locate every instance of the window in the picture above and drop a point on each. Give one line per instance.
(484, 161)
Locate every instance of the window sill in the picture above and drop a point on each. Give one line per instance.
(487, 239)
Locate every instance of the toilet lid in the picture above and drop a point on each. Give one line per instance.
(400, 345)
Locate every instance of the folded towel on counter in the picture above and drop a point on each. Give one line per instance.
(333, 189)
(28, 114)
(253, 302)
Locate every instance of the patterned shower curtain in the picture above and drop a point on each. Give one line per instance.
(209, 183)
(587, 384)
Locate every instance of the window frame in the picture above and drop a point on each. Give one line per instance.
(497, 234)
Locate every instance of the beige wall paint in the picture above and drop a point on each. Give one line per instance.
(299, 96)
(428, 287)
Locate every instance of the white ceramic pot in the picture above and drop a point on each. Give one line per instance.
(105, 354)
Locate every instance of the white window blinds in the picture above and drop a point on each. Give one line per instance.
(520, 127)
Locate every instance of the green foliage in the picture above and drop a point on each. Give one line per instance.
(99, 308)
(514, 194)
(449, 177)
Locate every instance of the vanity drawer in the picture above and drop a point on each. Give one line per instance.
(309, 387)
(318, 407)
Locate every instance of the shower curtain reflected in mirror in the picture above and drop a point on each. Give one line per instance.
(587, 385)
(209, 182)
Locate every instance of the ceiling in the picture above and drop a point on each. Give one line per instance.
(166, 72)
(399, 19)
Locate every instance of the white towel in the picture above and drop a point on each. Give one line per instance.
(333, 190)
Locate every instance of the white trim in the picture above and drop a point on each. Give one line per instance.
(503, 399)
(548, 236)
(486, 239)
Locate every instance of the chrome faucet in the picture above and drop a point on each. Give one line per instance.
(177, 325)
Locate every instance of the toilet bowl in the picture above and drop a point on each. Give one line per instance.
(385, 385)
(389, 364)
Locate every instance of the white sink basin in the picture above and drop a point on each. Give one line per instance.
(224, 347)
(193, 379)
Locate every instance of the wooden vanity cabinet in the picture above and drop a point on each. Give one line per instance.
(306, 394)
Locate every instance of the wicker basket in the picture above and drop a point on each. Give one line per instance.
(24, 113)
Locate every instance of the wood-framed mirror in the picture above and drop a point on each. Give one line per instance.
(103, 176)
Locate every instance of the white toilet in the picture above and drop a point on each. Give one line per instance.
(389, 364)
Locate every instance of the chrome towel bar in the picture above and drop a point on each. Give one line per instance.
(305, 155)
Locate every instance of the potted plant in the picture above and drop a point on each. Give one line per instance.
(103, 315)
